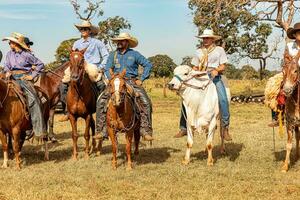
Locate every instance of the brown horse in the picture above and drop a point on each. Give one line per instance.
(50, 82)
(122, 117)
(291, 89)
(81, 102)
(14, 120)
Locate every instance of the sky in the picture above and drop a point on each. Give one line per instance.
(161, 26)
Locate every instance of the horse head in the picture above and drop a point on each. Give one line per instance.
(181, 73)
(290, 73)
(117, 87)
(77, 65)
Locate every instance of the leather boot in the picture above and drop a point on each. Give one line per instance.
(181, 133)
(226, 134)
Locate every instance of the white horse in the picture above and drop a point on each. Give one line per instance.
(200, 100)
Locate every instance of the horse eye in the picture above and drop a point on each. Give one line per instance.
(186, 74)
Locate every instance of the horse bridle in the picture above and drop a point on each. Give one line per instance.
(81, 69)
(184, 82)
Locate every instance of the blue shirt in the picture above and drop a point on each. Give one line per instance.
(96, 52)
(130, 61)
(23, 60)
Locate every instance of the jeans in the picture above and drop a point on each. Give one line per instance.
(223, 105)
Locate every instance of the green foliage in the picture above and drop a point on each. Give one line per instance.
(111, 27)
(52, 65)
(163, 65)
(248, 72)
(63, 50)
(231, 72)
(187, 61)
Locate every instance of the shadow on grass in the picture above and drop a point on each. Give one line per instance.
(280, 157)
(232, 152)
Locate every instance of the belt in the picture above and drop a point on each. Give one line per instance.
(18, 72)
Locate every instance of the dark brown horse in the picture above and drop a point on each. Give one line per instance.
(50, 82)
(14, 120)
(122, 117)
(291, 88)
(81, 102)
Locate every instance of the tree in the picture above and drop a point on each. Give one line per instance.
(187, 61)
(63, 51)
(232, 72)
(248, 72)
(163, 65)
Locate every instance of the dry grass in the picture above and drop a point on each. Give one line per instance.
(250, 170)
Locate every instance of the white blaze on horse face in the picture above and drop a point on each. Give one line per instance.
(117, 90)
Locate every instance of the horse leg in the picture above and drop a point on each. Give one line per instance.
(129, 137)
(209, 140)
(297, 136)
(4, 148)
(137, 137)
(113, 140)
(286, 163)
(16, 135)
(189, 146)
(222, 150)
(73, 122)
(51, 121)
(87, 136)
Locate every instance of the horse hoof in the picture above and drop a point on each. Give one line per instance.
(74, 158)
(87, 157)
(185, 162)
(98, 153)
(114, 167)
(284, 168)
(128, 168)
(4, 166)
(223, 152)
(136, 153)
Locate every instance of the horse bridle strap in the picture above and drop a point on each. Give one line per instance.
(184, 82)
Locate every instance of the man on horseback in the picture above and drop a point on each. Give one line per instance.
(95, 56)
(211, 58)
(277, 104)
(127, 58)
(19, 64)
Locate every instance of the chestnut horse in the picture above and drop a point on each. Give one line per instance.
(14, 119)
(50, 82)
(122, 117)
(291, 88)
(81, 102)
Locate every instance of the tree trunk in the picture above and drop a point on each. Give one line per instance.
(165, 87)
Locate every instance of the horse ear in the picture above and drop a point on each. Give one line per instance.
(70, 50)
(123, 73)
(111, 72)
(287, 57)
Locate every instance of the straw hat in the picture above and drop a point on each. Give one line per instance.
(87, 24)
(208, 33)
(133, 42)
(291, 31)
(17, 38)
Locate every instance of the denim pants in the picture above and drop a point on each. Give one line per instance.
(223, 105)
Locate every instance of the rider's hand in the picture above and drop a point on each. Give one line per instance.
(214, 73)
(28, 78)
(139, 82)
(8, 75)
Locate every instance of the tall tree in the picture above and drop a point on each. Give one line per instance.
(163, 65)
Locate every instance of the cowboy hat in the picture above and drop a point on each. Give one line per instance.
(17, 38)
(208, 33)
(291, 31)
(28, 42)
(87, 24)
(133, 42)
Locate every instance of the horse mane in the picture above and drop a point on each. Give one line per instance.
(61, 67)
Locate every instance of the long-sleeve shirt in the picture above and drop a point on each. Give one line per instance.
(130, 61)
(96, 52)
(23, 60)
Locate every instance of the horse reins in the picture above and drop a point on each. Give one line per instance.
(184, 82)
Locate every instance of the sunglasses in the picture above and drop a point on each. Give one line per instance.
(85, 29)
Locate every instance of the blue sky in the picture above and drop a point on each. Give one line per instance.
(162, 26)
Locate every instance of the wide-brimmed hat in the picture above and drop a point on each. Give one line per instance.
(17, 38)
(208, 33)
(291, 31)
(133, 42)
(28, 42)
(88, 24)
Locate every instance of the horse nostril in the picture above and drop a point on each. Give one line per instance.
(170, 86)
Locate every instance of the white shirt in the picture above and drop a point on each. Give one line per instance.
(293, 48)
(216, 58)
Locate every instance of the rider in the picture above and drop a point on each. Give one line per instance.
(95, 56)
(19, 64)
(127, 58)
(292, 48)
(211, 58)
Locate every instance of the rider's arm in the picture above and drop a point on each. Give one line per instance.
(7, 66)
(146, 64)
(39, 65)
(109, 65)
(103, 54)
(223, 61)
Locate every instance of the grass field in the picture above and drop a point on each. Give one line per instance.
(250, 170)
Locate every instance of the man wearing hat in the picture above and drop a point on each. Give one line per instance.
(127, 58)
(211, 58)
(19, 64)
(95, 57)
(292, 48)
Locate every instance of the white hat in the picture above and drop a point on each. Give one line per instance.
(17, 38)
(87, 24)
(208, 33)
(133, 42)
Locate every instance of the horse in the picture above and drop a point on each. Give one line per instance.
(81, 102)
(122, 117)
(291, 89)
(14, 119)
(200, 99)
(49, 83)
